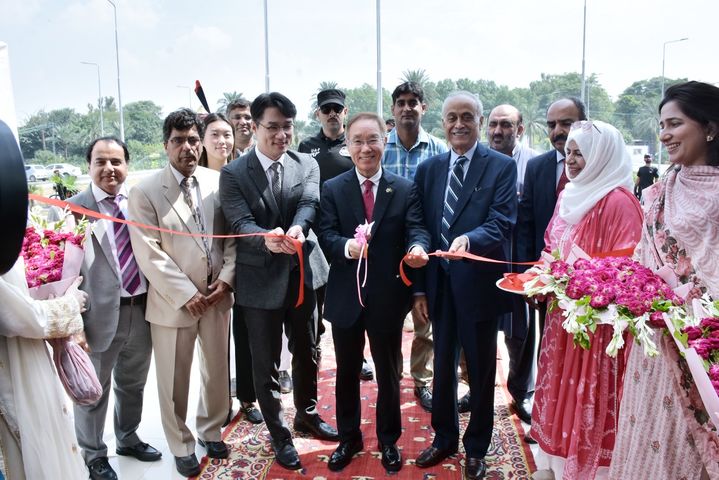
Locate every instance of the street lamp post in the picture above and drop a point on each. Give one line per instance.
(189, 93)
(664, 55)
(267, 52)
(99, 95)
(583, 93)
(117, 59)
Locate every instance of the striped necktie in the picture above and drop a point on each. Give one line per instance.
(129, 270)
(454, 187)
(187, 185)
(276, 171)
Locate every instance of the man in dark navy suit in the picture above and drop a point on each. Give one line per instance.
(367, 193)
(469, 197)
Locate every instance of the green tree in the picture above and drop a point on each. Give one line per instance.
(364, 99)
(419, 76)
(227, 98)
(143, 122)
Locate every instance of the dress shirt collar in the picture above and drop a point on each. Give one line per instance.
(453, 156)
(560, 157)
(101, 194)
(267, 162)
(422, 137)
(178, 176)
(374, 178)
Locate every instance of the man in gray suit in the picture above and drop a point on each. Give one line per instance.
(115, 325)
(273, 190)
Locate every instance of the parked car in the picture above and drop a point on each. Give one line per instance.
(35, 173)
(65, 169)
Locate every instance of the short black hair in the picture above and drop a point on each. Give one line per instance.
(182, 119)
(700, 102)
(241, 102)
(408, 87)
(269, 100)
(581, 108)
(109, 138)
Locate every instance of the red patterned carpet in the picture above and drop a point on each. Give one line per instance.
(251, 456)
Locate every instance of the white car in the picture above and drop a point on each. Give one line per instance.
(65, 169)
(36, 173)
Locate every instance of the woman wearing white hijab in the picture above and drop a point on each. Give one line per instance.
(576, 402)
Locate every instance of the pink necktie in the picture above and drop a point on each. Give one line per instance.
(130, 272)
(368, 200)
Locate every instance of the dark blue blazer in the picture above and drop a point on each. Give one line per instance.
(486, 212)
(397, 226)
(536, 206)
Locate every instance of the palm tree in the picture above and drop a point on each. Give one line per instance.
(418, 76)
(227, 98)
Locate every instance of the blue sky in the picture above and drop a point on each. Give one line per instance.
(165, 44)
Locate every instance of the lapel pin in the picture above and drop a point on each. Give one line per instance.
(389, 190)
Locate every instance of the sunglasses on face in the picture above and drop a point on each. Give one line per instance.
(326, 109)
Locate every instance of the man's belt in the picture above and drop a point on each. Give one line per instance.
(136, 300)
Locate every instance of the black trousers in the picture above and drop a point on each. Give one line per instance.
(244, 382)
(385, 346)
(265, 339)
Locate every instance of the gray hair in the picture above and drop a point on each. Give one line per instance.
(464, 93)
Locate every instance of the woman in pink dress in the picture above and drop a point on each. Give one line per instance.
(578, 391)
(664, 430)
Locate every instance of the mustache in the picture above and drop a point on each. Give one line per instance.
(561, 137)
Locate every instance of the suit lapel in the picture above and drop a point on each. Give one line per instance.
(208, 203)
(174, 195)
(353, 195)
(439, 188)
(99, 231)
(471, 179)
(385, 192)
(290, 178)
(259, 177)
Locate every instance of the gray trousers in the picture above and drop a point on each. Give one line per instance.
(126, 361)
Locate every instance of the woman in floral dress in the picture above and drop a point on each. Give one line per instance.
(664, 430)
(577, 396)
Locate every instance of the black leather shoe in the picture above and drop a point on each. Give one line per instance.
(315, 426)
(188, 466)
(425, 397)
(252, 413)
(474, 468)
(100, 469)
(463, 404)
(141, 451)
(215, 449)
(391, 458)
(366, 373)
(342, 457)
(285, 382)
(432, 455)
(286, 455)
(523, 409)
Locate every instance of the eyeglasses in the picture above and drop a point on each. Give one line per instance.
(332, 107)
(180, 141)
(275, 129)
(585, 125)
(372, 142)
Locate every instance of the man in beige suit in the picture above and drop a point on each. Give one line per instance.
(189, 296)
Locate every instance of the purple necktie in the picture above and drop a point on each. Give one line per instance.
(128, 266)
(368, 200)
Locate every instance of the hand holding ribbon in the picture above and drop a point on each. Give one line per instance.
(362, 235)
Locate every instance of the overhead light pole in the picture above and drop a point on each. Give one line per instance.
(583, 93)
(267, 51)
(117, 59)
(664, 56)
(379, 60)
(99, 96)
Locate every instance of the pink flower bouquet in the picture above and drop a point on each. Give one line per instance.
(615, 291)
(53, 254)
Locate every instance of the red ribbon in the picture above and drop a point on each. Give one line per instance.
(91, 213)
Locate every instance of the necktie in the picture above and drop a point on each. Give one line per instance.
(563, 179)
(368, 200)
(454, 187)
(276, 181)
(129, 271)
(187, 186)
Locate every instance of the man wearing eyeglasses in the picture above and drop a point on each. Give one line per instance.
(369, 193)
(189, 295)
(273, 190)
(408, 145)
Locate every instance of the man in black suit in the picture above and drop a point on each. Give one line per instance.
(271, 189)
(368, 193)
(646, 176)
(469, 200)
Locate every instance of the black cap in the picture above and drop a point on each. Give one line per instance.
(330, 96)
